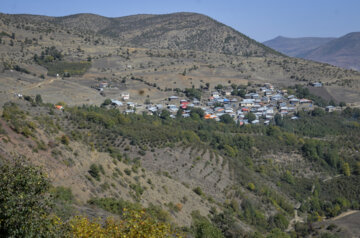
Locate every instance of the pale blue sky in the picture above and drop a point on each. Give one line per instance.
(260, 19)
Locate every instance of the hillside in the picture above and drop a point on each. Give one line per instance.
(249, 179)
(343, 52)
(62, 81)
(177, 31)
(158, 71)
(296, 46)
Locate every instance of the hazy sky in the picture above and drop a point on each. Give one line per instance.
(260, 19)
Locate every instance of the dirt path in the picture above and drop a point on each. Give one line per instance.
(34, 85)
(344, 214)
(336, 176)
(294, 221)
(296, 217)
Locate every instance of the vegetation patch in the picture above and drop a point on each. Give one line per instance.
(67, 69)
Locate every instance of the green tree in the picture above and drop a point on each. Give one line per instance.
(226, 118)
(165, 114)
(24, 201)
(38, 99)
(278, 120)
(106, 102)
(250, 117)
(193, 93)
(197, 113)
(219, 87)
(241, 93)
(318, 112)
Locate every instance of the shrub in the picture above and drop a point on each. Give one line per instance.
(251, 186)
(65, 139)
(202, 227)
(94, 171)
(198, 191)
(62, 194)
(134, 224)
(127, 171)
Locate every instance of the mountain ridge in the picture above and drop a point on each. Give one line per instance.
(295, 46)
(343, 52)
(180, 31)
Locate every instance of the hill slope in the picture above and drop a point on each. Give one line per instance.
(343, 52)
(296, 46)
(152, 48)
(177, 31)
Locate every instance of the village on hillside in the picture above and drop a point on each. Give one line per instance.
(257, 105)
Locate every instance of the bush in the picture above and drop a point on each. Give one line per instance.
(127, 171)
(202, 227)
(198, 191)
(65, 139)
(251, 186)
(94, 171)
(278, 221)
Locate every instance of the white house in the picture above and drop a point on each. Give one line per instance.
(215, 94)
(125, 95)
(247, 103)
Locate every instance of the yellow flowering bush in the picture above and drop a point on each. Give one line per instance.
(135, 224)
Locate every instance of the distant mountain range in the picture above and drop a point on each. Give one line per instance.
(343, 51)
(296, 46)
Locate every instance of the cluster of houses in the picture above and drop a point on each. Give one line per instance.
(263, 103)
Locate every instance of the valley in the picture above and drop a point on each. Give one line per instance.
(115, 117)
